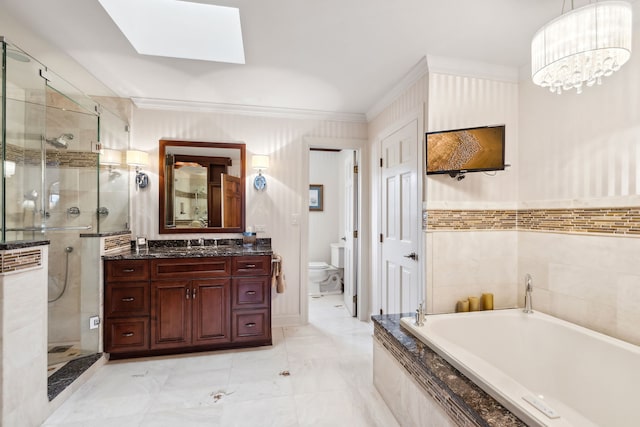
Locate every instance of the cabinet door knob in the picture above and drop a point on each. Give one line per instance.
(128, 270)
(250, 292)
(127, 334)
(187, 293)
(195, 292)
(128, 299)
(250, 325)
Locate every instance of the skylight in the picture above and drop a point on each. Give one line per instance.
(179, 29)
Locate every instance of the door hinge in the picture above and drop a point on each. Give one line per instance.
(381, 238)
(355, 234)
(355, 169)
(381, 313)
(355, 299)
(45, 75)
(380, 161)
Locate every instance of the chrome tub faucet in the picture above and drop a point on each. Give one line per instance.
(420, 315)
(527, 296)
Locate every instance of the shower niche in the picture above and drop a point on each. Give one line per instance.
(56, 189)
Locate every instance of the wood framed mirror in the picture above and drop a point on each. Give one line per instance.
(201, 187)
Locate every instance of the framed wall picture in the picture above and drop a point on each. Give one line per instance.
(316, 197)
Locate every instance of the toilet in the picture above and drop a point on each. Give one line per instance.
(326, 278)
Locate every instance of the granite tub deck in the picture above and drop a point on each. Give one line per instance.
(461, 399)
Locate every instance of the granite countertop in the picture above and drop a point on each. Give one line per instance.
(193, 252)
(21, 244)
(476, 402)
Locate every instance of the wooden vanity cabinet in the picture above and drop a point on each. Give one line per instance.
(126, 306)
(251, 288)
(187, 304)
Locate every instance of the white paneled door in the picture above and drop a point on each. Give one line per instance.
(350, 233)
(399, 291)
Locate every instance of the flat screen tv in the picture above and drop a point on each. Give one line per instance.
(458, 151)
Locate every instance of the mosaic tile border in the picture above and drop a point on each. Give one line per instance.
(20, 260)
(117, 243)
(616, 221)
(471, 219)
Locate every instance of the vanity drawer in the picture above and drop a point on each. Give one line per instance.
(127, 299)
(127, 334)
(251, 325)
(259, 265)
(197, 267)
(251, 292)
(127, 270)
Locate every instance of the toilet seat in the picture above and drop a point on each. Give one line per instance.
(318, 265)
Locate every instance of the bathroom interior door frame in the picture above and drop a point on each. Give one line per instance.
(362, 267)
(378, 276)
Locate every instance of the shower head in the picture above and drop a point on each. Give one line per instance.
(62, 141)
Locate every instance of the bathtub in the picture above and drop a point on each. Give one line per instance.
(546, 371)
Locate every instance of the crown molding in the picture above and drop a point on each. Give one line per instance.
(248, 110)
(415, 73)
(468, 68)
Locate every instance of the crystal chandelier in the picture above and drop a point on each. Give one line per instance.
(581, 46)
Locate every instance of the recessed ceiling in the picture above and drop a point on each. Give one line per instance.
(179, 29)
(330, 55)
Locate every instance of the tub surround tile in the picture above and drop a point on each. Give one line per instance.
(460, 398)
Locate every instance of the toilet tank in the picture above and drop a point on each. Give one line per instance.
(337, 255)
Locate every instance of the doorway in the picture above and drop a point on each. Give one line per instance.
(332, 267)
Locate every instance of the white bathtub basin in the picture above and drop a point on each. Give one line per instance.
(577, 376)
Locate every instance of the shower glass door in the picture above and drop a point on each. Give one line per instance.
(23, 123)
(70, 202)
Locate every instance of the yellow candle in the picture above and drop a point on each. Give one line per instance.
(487, 301)
(462, 306)
(474, 303)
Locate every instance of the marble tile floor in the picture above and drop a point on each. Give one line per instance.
(315, 375)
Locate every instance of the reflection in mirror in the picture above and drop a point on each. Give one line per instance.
(201, 187)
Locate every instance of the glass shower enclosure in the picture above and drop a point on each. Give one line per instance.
(55, 188)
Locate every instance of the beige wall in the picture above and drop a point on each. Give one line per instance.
(468, 263)
(283, 139)
(583, 151)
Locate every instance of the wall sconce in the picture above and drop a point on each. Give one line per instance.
(139, 159)
(260, 162)
(9, 168)
(111, 158)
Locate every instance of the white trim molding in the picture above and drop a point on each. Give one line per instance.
(468, 68)
(249, 110)
(415, 73)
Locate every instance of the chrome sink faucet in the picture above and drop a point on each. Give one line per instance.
(527, 295)
(201, 241)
